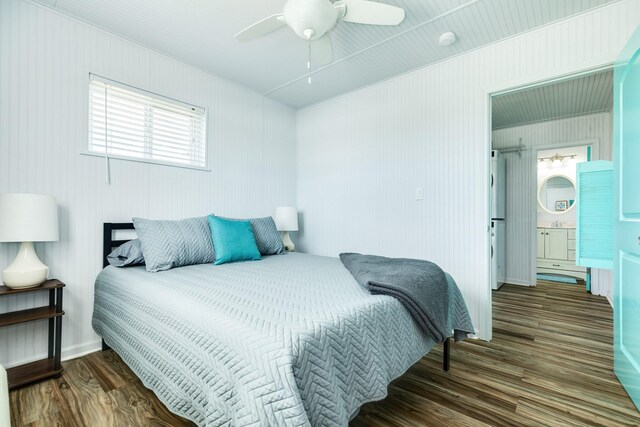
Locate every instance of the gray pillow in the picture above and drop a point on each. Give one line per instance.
(266, 234)
(168, 244)
(129, 253)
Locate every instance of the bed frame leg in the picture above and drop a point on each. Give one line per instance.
(105, 347)
(445, 355)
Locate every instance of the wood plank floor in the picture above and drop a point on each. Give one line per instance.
(550, 363)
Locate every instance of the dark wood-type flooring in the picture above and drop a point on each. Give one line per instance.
(550, 363)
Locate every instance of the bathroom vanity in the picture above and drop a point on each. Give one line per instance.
(557, 252)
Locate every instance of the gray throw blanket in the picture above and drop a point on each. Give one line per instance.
(430, 295)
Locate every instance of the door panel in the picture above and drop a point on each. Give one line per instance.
(630, 149)
(540, 243)
(626, 307)
(630, 307)
(556, 244)
(594, 214)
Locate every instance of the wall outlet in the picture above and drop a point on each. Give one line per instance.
(419, 193)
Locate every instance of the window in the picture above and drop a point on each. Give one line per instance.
(130, 123)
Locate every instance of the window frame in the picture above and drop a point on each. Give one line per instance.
(87, 152)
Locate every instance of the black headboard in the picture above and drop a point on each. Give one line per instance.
(107, 238)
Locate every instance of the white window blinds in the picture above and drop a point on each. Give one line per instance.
(130, 123)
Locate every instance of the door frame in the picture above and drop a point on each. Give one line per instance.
(501, 89)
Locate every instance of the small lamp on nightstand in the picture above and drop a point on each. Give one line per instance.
(27, 218)
(286, 221)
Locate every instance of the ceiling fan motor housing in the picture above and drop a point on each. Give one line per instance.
(319, 16)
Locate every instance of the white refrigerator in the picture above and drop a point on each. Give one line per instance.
(498, 193)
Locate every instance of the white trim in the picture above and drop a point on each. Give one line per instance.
(518, 282)
(585, 68)
(487, 321)
(80, 350)
(152, 162)
(68, 353)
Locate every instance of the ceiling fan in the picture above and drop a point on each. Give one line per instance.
(312, 20)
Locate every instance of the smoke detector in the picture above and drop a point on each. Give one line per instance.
(447, 39)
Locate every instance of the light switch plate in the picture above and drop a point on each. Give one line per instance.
(419, 193)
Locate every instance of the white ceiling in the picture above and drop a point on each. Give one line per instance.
(200, 33)
(576, 97)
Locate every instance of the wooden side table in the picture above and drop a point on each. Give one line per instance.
(44, 368)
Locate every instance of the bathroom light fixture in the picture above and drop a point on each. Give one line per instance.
(557, 160)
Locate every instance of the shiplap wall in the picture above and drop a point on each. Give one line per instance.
(45, 61)
(361, 155)
(521, 202)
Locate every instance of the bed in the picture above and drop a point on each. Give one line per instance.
(290, 340)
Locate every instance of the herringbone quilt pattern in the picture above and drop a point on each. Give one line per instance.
(286, 341)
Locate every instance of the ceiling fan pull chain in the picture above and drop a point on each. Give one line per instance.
(309, 62)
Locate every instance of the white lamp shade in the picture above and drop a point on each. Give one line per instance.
(28, 218)
(286, 218)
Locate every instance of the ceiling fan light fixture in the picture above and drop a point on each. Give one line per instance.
(447, 39)
(316, 15)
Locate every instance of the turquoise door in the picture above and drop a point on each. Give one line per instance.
(626, 307)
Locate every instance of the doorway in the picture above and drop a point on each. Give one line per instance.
(542, 132)
(556, 212)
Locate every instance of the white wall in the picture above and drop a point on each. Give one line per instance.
(521, 203)
(361, 155)
(45, 61)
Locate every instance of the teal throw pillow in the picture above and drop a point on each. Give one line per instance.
(232, 240)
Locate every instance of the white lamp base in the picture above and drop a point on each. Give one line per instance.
(288, 244)
(26, 271)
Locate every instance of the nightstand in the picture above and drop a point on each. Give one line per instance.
(45, 368)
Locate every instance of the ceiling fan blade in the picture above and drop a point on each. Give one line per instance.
(321, 50)
(372, 13)
(260, 28)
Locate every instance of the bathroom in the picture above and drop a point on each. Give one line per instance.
(556, 213)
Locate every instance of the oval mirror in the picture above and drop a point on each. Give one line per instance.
(557, 194)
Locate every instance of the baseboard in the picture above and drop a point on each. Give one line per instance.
(518, 282)
(80, 350)
(68, 353)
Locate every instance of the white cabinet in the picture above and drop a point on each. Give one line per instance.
(556, 252)
(540, 242)
(555, 243)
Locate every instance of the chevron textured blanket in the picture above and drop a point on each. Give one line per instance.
(291, 340)
(421, 286)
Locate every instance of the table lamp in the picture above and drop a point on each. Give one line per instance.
(286, 221)
(27, 218)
